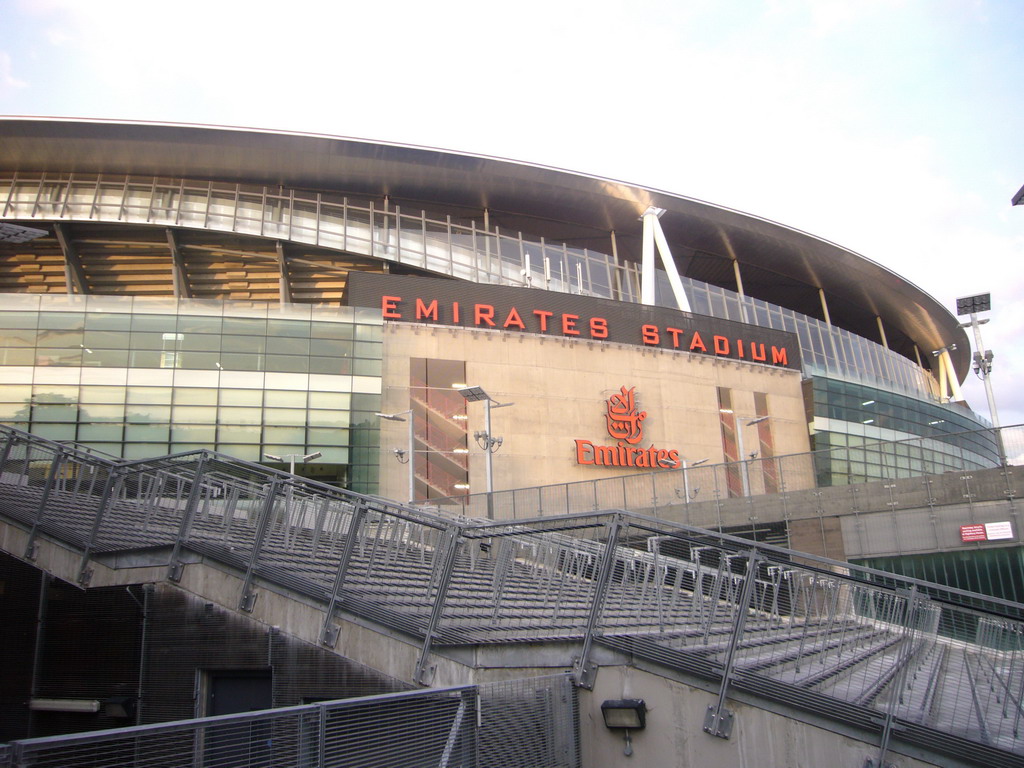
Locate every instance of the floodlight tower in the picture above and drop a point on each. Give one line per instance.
(972, 305)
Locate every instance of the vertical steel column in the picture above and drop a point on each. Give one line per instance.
(584, 672)
(329, 633)
(248, 599)
(718, 720)
(179, 273)
(424, 674)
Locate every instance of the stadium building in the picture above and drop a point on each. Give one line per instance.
(272, 295)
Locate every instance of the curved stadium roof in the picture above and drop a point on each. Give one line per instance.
(778, 264)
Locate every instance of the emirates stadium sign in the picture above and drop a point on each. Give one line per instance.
(505, 309)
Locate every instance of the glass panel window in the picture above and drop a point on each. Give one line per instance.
(278, 398)
(149, 395)
(284, 436)
(331, 366)
(287, 363)
(240, 415)
(194, 414)
(330, 400)
(148, 414)
(236, 433)
(193, 433)
(195, 396)
(72, 321)
(284, 416)
(241, 396)
(137, 433)
(287, 346)
(108, 433)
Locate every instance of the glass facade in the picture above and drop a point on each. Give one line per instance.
(863, 434)
(439, 245)
(998, 572)
(138, 377)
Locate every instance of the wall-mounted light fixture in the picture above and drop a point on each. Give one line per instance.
(408, 455)
(85, 706)
(628, 714)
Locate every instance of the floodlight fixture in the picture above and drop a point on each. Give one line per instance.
(628, 714)
(982, 358)
(686, 480)
(291, 458)
(967, 305)
(473, 394)
(408, 454)
(486, 438)
(745, 472)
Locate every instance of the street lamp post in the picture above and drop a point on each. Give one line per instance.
(485, 439)
(411, 454)
(291, 458)
(686, 481)
(745, 469)
(305, 458)
(972, 305)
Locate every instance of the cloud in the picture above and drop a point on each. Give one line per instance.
(8, 82)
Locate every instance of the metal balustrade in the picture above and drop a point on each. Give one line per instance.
(699, 496)
(528, 723)
(920, 662)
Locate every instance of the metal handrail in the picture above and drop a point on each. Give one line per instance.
(827, 636)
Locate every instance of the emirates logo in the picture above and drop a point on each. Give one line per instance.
(625, 420)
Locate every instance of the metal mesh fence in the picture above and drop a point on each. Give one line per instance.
(783, 487)
(520, 724)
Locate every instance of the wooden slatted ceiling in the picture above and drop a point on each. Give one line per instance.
(136, 261)
(139, 267)
(34, 267)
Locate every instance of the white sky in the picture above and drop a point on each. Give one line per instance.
(891, 127)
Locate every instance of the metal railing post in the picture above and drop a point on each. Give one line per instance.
(329, 633)
(584, 672)
(718, 720)
(9, 443)
(424, 674)
(114, 477)
(906, 649)
(175, 567)
(248, 599)
(55, 464)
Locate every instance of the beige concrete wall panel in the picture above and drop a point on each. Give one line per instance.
(559, 388)
(674, 736)
(823, 536)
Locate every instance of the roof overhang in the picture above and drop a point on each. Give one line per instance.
(440, 177)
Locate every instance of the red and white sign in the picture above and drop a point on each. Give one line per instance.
(986, 531)
(973, 533)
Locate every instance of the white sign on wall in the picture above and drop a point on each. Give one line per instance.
(995, 531)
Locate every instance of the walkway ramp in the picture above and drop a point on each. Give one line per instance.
(903, 661)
